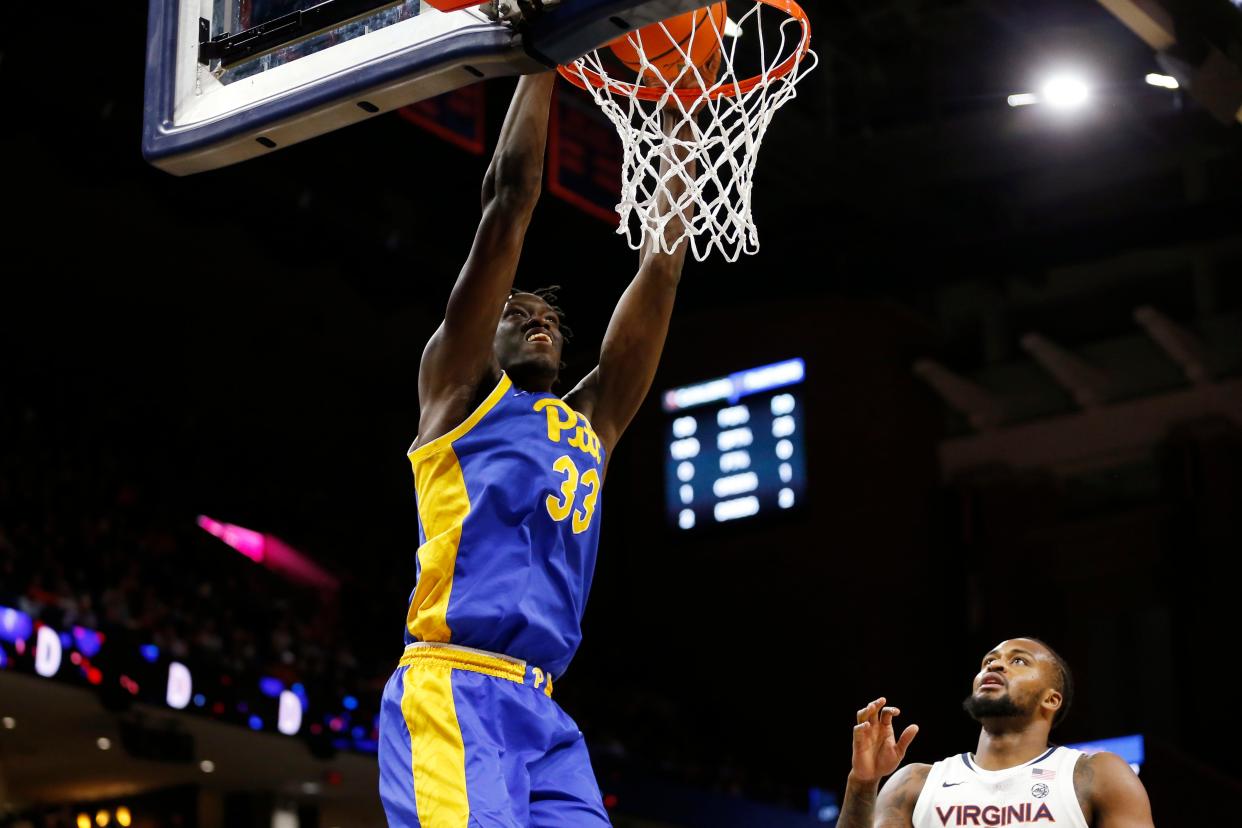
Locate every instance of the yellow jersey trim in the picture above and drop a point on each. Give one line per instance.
(470, 422)
(438, 752)
(443, 505)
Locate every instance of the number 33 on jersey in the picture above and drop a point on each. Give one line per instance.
(564, 420)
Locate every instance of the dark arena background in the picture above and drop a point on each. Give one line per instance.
(1015, 409)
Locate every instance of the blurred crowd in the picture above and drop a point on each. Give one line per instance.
(83, 542)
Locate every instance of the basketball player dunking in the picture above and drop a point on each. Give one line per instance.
(1023, 689)
(508, 478)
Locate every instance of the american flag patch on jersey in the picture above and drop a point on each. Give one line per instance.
(1043, 773)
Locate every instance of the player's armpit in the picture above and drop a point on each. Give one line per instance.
(582, 399)
(895, 806)
(1118, 799)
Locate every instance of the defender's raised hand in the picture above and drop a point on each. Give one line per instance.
(877, 751)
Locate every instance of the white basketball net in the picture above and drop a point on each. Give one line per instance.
(723, 140)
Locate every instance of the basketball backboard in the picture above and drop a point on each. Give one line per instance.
(229, 80)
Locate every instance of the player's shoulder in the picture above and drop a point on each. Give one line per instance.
(909, 777)
(1102, 761)
(914, 770)
(900, 794)
(1101, 772)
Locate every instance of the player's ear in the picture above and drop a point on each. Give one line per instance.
(1053, 699)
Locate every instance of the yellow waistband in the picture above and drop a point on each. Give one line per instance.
(477, 661)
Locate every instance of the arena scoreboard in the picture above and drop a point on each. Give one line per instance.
(733, 446)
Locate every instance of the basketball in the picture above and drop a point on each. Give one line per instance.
(670, 45)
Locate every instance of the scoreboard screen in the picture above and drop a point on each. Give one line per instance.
(733, 446)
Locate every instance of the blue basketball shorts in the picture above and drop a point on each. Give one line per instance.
(471, 739)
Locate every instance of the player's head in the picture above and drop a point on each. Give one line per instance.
(1021, 680)
(530, 337)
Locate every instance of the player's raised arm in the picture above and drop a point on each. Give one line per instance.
(877, 753)
(611, 394)
(459, 353)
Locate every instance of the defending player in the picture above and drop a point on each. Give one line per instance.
(1014, 777)
(508, 479)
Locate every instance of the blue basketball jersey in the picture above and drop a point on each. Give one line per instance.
(508, 512)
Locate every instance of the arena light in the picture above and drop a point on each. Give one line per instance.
(103, 818)
(15, 625)
(289, 716)
(87, 641)
(246, 541)
(123, 817)
(47, 652)
(9, 722)
(1023, 99)
(1065, 92)
(1163, 81)
(180, 686)
(271, 552)
(731, 28)
(736, 385)
(103, 743)
(84, 821)
(207, 766)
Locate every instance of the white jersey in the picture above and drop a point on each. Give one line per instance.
(1041, 792)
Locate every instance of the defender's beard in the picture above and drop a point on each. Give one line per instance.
(988, 707)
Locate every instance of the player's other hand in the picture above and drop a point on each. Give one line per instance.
(877, 751)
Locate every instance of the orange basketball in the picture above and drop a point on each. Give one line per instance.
(692, 35)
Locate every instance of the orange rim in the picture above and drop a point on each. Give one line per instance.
(580, 76)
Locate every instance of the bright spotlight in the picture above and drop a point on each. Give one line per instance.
(123, 817)
(732, 29)
(1023, 99)
(1163, 81)
(1065, 92)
